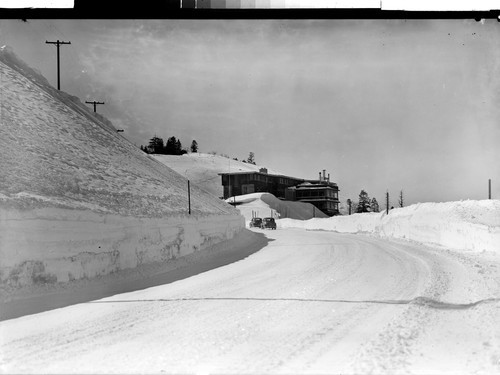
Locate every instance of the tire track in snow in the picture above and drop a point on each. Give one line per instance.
(397, 347)
(331, 303)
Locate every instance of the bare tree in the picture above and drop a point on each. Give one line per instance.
(251, 158)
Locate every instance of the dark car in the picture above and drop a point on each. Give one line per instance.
(255, 222)
(268, 222)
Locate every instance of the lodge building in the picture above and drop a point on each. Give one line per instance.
(322, 193)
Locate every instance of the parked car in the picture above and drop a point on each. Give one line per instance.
(255, 222)
(268, 222)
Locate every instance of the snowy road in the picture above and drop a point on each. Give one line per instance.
(309, 302)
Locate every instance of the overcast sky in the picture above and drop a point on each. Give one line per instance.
(379, 104)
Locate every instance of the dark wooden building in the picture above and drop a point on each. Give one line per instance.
(322, 193)
(240, 183)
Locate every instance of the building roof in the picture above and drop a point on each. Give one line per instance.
(315, 184)
(261, 173)
(307, 184)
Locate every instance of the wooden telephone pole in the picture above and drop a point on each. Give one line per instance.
(94, 103)
(387, 202)
(189, 198)
(58, 44)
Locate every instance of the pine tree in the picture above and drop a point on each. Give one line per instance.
(401, 201)
(156, 144)
(364, 202)
(374, 205)
(171, 146)
(178, 147)
(194, 146)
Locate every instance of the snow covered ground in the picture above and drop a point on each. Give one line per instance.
(57, 153)
(61, 245)
(311, 302)
(78, 200)
(462, 225)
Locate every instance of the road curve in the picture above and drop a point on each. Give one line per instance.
(309, 302)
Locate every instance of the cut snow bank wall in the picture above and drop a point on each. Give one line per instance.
(60, 245)
(469, 225)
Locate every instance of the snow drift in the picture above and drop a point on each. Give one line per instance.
(466, 225)
(77, 199)
(267, 205)
(60, 245)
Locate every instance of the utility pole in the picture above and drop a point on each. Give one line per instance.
(387, 201)
(94, 103)
(189, 198)
(58, 43)
(489, 188)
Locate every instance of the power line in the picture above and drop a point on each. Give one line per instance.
(58, 44)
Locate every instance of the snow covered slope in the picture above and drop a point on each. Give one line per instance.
(55, 152)
(203, 169)
(470, 225)
(267, 205)
(61, 164)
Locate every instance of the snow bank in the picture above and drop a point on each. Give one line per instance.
(60, 245)
(470, 225)
(78, 200)
(267, 205)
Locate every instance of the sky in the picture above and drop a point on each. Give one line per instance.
(382, 105)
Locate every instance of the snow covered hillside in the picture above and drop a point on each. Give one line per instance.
(267, 205)
(67, 176)
(202, 169)
(470, 225)
(55, 152)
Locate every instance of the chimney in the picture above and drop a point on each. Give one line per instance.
(328, 177)
(324, 176)
(263, 170)
(320, 176)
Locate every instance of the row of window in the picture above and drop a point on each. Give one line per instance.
(317, 193)
(328, 205)
(246, 178)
